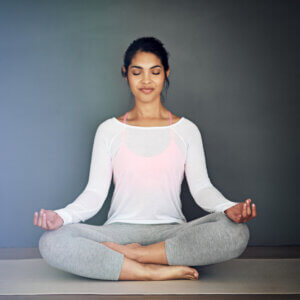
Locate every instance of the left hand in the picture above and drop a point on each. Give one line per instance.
(241, 212)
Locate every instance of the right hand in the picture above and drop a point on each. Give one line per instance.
(48, 220)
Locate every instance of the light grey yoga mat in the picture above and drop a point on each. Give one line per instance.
(237, 276)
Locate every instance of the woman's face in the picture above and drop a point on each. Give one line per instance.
(146, 76)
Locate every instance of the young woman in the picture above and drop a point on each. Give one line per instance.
(147, 151)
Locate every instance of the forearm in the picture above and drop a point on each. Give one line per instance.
(87, 204)
(211, 200)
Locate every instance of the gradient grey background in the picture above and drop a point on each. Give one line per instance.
(234, 72)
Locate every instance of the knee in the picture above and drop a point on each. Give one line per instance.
(50, 241)
(238, 235)
(241, 235)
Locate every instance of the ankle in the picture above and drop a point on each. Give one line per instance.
(152, 254)
(151, 271)
(141, 255)
(133, 270)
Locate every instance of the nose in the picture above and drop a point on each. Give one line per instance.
(146, 78)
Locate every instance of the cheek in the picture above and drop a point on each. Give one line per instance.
(161, 79)
(133, 83)
(159, 82)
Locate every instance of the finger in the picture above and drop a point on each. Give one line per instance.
(245, 216)
(49, 225)
(44, 224)
(40, 218)
(254, 214)
(35, 217)
(248, 207)
(244, 213)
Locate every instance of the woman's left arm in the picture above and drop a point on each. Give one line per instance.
(203, 191)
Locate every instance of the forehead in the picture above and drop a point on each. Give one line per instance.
(147, 59)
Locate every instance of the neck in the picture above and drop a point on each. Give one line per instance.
(148, 112)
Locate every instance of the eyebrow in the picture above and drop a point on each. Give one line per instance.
(138, 67)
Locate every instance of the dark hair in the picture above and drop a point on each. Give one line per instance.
(147, 44)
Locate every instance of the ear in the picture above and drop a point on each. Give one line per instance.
(124, 70)
(168, 72)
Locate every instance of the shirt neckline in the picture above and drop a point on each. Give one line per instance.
(148, 127)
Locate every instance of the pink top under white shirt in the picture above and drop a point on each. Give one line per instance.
(147, 165)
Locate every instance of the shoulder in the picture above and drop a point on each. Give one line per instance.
(188, 130)
(105, 125)
(188, 126)
(108, 129)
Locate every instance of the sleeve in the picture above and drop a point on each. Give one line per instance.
(200, 186)
(90, 201)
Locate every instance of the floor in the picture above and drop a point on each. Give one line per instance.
(282, 263)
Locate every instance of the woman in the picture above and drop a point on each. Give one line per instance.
(147, 151)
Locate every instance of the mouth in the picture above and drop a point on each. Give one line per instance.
(146, 91)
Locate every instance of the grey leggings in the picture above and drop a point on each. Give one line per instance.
(77, 248)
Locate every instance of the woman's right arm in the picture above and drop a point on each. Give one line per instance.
(90, 201)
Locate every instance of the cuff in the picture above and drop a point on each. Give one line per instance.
(64, 215)
(222, 207)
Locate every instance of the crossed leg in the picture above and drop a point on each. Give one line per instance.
(77, 248)
(207, 240)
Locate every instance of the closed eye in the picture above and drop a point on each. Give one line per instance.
(140, 73)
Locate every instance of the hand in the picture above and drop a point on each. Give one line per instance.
(241, 212)
(48, 220)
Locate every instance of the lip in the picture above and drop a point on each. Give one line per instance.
(146, 91)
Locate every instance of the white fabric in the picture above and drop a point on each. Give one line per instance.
(147, 165)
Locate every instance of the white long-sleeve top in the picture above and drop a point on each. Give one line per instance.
(147, 165)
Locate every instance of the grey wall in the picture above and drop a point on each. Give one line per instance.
(234, 66)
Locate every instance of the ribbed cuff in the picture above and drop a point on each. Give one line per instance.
(222, 207)
(64, 215)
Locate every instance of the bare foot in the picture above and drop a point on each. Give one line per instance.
(162, 272)
(132, 251)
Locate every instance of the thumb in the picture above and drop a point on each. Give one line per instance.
(49, 224)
